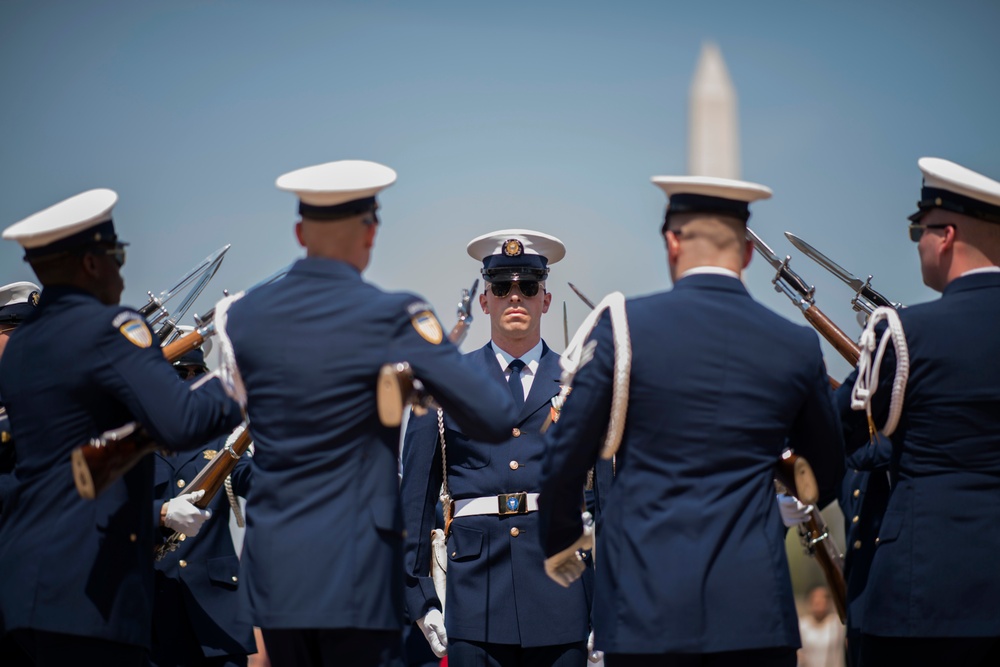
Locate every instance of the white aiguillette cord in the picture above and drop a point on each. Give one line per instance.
(228, 372)
(577, 355)
(868, 368)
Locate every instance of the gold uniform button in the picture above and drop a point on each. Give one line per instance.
(514, 465)
(181, 537)
(855, 519)
(857, 544)
(857, 492)
(235, 579)
(454, 553)
(183, 563)
(133, 537)
(514, 532)
(877, 540)
(516, 432)
(180, 484)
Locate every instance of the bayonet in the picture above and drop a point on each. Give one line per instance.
(590, 304)
(461, 328)
(866, 298)
(565, 327)
(789, 283)
(165, 322)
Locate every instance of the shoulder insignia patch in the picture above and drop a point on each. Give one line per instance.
(427, 326)
(418, 307)
(209, 454)
(136, 332)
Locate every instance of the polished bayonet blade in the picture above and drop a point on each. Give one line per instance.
(565, 326)
(201, 276)
(764, 250)
(590, 304)
(827, 263)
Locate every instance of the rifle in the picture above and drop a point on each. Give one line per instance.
(102, 460)
(789, 283)
(866, 298)
(398, 388)
(794, 475)
(210, 480)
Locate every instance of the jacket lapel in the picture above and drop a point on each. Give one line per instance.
(544, 386)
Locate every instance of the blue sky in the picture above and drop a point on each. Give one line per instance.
(550, 116)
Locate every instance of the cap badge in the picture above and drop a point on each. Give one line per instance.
(513, 248)
(137, 333)
(428, 327)
(33, 298)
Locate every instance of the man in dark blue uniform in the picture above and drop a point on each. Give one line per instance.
(17, 301)
(932, 591)
(690, 554)
(196, 602)
(322, 559)
(78, 573)
(863, 499)
(501, 607)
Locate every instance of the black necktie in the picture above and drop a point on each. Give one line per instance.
(514, 382)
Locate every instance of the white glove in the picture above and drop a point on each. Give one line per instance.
(793, 511)
(432, 625)
(183, 516)
(592, 655)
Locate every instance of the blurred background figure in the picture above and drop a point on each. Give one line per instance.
(821, 631)
(17, 301)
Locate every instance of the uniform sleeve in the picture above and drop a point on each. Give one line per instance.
(419, 490)
(482, 409)
(242, 475)
(816, 433)
(573, 444)
(133, 370)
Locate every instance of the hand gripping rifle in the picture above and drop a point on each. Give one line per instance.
(211, 478)
(102, 460)
(793, 475)
(398, 388)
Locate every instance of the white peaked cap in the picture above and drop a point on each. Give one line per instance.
(63, 220)
(532, 243)
(337, 182)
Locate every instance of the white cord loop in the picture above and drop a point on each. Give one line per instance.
(578, 354)
(228, 372)
(869, 365)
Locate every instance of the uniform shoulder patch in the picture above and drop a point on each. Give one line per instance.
(132, 325)
(425, 322)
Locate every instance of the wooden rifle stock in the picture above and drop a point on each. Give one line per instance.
(210, 480)
(841, 342)
(100, 462)
(794, 474)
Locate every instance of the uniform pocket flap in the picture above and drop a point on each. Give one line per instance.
(224, 570)
(386, 514)
(464, 543)
(892, 523)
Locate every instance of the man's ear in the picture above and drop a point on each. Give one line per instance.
(482, 301)
(299, 234)
(546, 300)
(673, 246)
(370, 231)
(91, 265)
(747, 253)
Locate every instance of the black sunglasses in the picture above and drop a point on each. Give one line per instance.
(917, 231)
(529, 288)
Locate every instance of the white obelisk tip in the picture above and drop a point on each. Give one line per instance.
(713, 140)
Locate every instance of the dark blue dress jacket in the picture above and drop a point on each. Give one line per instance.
(934, 572)
(497, 590)
(324, 541)
(196, 603)
(690, 545)
(75, 566)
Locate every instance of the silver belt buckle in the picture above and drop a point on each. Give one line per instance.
(512, 503)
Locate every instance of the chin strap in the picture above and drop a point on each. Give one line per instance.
(869, 365)
(578, 354)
